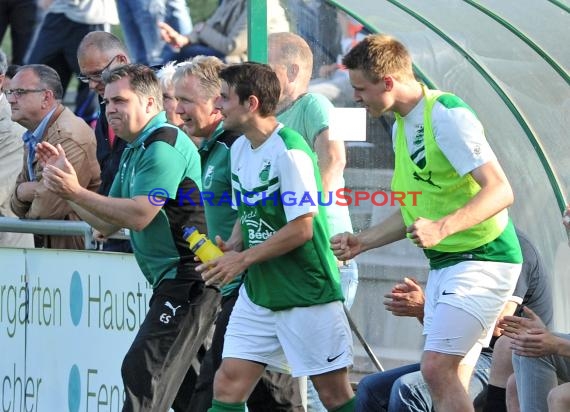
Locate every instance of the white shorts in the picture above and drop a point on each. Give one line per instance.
(473, 294)
(303, 341)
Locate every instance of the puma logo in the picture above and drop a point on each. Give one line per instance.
(428, 180)
(172, 308)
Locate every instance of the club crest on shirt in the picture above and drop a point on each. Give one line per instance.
(418, 140)
(264, 174)
(477, 150)
(208, 177)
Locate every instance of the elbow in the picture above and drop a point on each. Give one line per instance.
(138, 224)
(306, 234)
(509, 196)
(340, 163)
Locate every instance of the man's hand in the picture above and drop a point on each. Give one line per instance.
(425, 233)
(171, 36)
(232, 244)
(58, 175)
(345, 246)
(222, 270)
(529, 336)
(406, 299)
(514, 325)
(26, 191)
(48, 154)
(566, 217)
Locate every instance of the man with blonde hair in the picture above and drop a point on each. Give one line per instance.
(460, 220)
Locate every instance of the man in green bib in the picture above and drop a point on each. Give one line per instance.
(460, 218)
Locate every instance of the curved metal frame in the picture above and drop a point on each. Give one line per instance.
(503, 95)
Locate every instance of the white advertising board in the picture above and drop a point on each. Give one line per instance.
(13, 379)
(84, 309)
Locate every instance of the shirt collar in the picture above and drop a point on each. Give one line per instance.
(43, 124)
(157, 121)
(207, 144)
(36, 136)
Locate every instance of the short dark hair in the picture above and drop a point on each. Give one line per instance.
(48, 78)
(254, 79)
(142, 79)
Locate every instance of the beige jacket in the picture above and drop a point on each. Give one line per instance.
(78, 141)
(11, 152)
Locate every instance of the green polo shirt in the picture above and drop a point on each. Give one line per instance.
(217, 189)
(163, 162)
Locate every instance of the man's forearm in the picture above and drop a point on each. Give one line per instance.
(564, 347)
(289, 237)
(495, 195)
(332, 160)
(113, 212)
(101, 225)
(390, 230)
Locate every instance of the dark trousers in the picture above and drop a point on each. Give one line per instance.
(56, 46)
(155, 368)
(20, 16)
(275, 392)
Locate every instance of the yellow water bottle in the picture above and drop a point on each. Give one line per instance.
(200, 245)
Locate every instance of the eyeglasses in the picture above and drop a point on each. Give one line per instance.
(95, 77)
(17, 93)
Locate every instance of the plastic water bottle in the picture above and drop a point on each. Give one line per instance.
(200, 245)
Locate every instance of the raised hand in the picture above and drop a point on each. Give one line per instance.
(171, 36)
(58, 175)
(49, 154)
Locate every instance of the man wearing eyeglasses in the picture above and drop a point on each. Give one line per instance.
(35, 98)
(99, 51)
(11, 152)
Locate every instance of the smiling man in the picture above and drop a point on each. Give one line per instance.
(197, 87)
(289, 314)
(159, 159)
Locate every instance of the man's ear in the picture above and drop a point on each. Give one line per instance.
(388, 83)
(292, 71)
(122, 59)
(253, 103)
(150, 103)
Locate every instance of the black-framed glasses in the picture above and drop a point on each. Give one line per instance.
(97, 76)
(17, 93)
